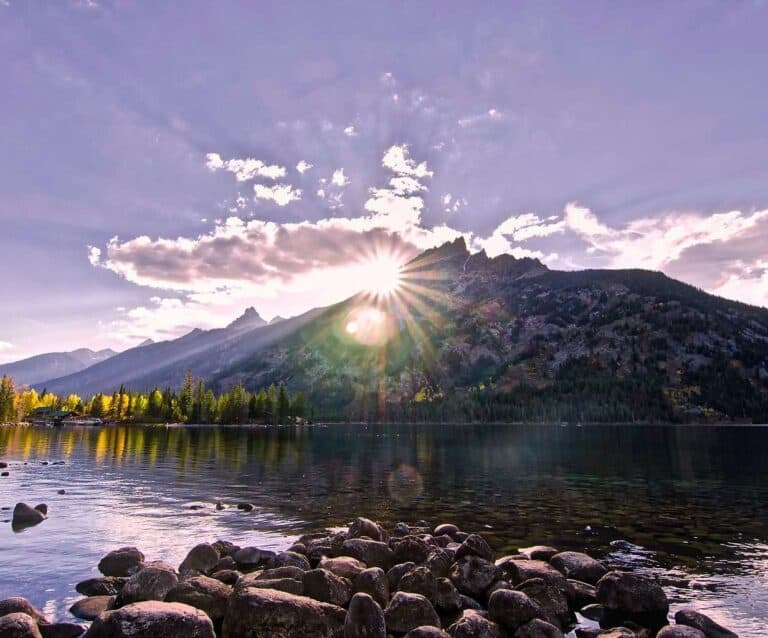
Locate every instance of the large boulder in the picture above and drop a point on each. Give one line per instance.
(152, 619)
(447, 598)
(62, 630)
(204, 593)
(373, 581)
(419, 581)
(445, 529)
(412, 549)
(327, 587)
(697, 620)
(631, 593)
(516, 570)
(473, 625)
(344, 566)
(539, 552)
(550, 599)
(408, 611)
(151, 583)
(512, 609)
(289, 559)
(578, 566)
(538, 629)
(287, 584)
(582, 594)
(372, 553)
(106, 586)
(18, 625)
(474, 545)
(364, 619)
(24, 515)
(250, 557)
(19, 605)
(439, 563)
(125, 561)
(397, 572)
(680, 631)
(91, 607)
(473, 575)
(256, 612)
(201, 558)
(365, 527)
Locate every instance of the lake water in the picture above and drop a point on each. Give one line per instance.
(689, 503)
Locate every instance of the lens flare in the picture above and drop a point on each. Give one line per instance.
(369, 325)
(381, 275)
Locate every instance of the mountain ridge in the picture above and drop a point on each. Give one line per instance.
(38, 368)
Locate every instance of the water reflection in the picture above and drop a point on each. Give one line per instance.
(686, 501)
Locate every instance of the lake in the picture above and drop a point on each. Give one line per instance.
(687, 503)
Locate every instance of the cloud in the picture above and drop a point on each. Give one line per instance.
(339, 179)
(6, 345)
(244, 169)
(280, 194)
(94, 255)
(398, 160)
(350, 131)
(303, 166)
(491, 115)
(749, 283)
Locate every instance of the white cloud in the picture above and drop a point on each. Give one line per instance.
(339, 179)
(94, 255)
(350, 131)
(491, 115)
(303, 166)
(281, 194)
(398, 160)
(6, 345)
(244, 169)
(749, 284)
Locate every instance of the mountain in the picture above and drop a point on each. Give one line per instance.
(146, 342)
(53, 364)
(473, 338)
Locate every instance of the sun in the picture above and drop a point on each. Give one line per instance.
(381, 275)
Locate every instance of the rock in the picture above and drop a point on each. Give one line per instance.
(251, 556)
(473, 575)
(472, 625)
(287, 585)
(419, 581)
(365, 619)
(366, 527)
(256, 612)
(204, 593)
(24, 515)
(373, 581)
(427, 632)
(408, 611)
(125, 561)
(61, 493)
(631, 593)
(467, 602)
(19, 605)
(680, 631)
(499, 584)
(447, 598)
(539, 552)
(106, 586)
(227, 576)
(18, 625)
(439, 563)
(550, 599)
(326, 587)
(289, 571)
(3, 464)
(594, 612)
(42, 508)
(372, 553)
(538, 629)
(151, 583)
(474, 545)
(344, 566)
(225, 562)
(615, 632)
(411, 549)
(219, 506)
(582, 593)
(578, 566)
(447, 529)
(516, 571)
(92, 606)
(225, 548)
(201, 558)
(512, 609)
(290, 559)
(402, 529)
(397, 572)
(245, 507)
(5, 473)
(298, 548)
(152, 619)
(711, 629)
(62, 630)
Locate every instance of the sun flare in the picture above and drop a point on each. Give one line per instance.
(381, 275)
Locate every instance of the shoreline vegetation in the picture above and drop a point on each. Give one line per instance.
(411, 581)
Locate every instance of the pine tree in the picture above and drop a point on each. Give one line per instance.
(283, 404)
(186, 397)
(7, 400)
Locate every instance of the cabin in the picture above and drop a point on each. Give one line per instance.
(51, 414)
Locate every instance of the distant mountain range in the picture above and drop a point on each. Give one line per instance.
(472, 338)
(35, 369)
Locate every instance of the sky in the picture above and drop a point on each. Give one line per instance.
(165, 165)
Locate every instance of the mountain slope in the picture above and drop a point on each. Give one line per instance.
(53, 364)
(476, 338)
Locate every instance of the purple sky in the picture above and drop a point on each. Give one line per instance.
(165, 165)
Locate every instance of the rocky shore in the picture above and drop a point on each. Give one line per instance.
(414, 581)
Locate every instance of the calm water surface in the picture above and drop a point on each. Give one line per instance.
(687, 503)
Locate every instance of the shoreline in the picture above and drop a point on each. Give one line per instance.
(412, 580)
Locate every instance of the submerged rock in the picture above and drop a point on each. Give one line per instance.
(631, 593)
(152, 619)
(24, 515)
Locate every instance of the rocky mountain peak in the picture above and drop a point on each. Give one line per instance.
(249, 319)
